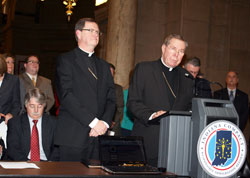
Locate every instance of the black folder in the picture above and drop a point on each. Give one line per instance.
(124, 155)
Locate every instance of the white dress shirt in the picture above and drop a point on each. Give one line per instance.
(32, 76)
(229, 90)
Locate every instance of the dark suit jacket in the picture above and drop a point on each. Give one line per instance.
(240, 104)
(42, 83)
(19, 137)
(119, 109)
(148, 94)
(82, 98)
(10, 95)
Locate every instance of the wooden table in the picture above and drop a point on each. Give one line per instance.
(69, 169)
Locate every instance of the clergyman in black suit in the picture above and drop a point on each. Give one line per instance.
(156, 87)
(202, 87)
(86, 93)
(238, 97)
(20, 130)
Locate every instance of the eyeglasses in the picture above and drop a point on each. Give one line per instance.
(34, 62)
(174, 49)
(93, 31)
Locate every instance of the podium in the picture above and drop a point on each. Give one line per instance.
(204, 112)
(174, 142)
(180, 131)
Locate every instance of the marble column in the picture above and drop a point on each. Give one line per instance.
(121, 37)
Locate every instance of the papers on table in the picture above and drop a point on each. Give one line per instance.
(18, 165)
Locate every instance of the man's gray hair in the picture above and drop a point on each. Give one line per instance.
(195, 61)
(37, 94)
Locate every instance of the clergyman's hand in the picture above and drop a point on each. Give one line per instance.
(93, 133)
(100, 128)
(158, 113)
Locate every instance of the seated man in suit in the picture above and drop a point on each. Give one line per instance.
(30, 136)
(236, 96)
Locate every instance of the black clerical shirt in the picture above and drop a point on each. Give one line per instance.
(90, 60)
(171, 77)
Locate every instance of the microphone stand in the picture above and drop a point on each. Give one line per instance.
(221, 86)
(217, 83)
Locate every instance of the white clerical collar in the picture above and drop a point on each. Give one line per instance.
(89, 53)
(170, 68)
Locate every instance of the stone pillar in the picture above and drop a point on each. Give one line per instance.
(121, 38)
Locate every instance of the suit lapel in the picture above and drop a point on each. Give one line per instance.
(38, 81)
(45, 134)
(237, 97)
(99, 69)
(26, 133)
(5, 84)
(27, 80)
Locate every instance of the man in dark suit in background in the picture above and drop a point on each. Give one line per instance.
(236, 96)
(86, 93)
(116, 122)
(21, 131)
(157, 87)
(202, 87)
(9, 93)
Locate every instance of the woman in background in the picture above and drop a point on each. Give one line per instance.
(10, 61)
(9, 92)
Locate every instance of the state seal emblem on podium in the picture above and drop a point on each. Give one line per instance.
(221, 149)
